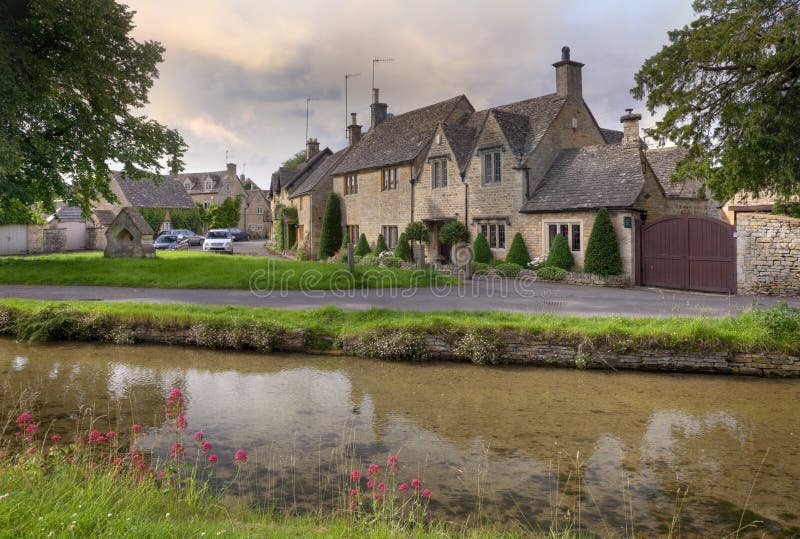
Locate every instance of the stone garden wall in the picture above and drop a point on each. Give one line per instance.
(768, 250)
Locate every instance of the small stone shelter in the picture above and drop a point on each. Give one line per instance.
(129, 236)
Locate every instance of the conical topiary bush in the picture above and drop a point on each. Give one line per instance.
(560, 256)
(518, 253)
(362, 248)
(380, 245)
(481, 252)
(602, 252)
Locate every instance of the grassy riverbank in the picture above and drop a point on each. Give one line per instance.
(774, 330)
(204, 270)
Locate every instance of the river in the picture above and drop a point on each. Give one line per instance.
(492, 443)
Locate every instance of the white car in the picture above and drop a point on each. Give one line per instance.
(218, 239)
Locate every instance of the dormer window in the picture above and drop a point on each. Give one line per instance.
(209, 185)
(438, 138)
(187, 185)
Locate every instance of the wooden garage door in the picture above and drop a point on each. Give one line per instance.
(689, 252)
(13, 239)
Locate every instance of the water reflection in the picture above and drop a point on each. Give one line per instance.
(501, 443)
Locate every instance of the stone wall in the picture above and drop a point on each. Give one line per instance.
(36, 239)
(55, 240)
(768, 251)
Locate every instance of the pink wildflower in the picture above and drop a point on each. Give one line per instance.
(352, 505)
(30, 428)
(136, 428)
(181, 423)
(403, 488)
(377, 496)
(393, 464)
(23, 419)
(176, 394)
(370, 483)
(177, 450)
(416, 484)
(373, 469)
(93, 436)
(110, 435)
(198, 436)
(100, 439)
(206, 447)
(354, 492)
(162, 474)
(55, 438)
(29, 438)
(212, 458)
(241, 457)
(426, 493)
(32, 450)
(355, 475)
(381, 486)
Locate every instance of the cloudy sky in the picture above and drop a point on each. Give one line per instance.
(237, 72)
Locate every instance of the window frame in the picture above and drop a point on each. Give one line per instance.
(208, 186)
(390, 236)
(439, 173)
(491, 166)
(351, 184)
(571, 226)
(389, 179)
(495, 233)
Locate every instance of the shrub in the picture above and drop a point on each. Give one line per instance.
(380, 245)
(369, 260)
(560, 256)
(416, 231)
(237, 335)
(551, 273)
(400, 345)
(362, 249)
(330, 236)
(403, 249)
(481, 348)
(453, 233)
(481, 252)
(391, 262)
(518, 253)
(285, 217)
(507, 269)
(479, 268)
(602, 252)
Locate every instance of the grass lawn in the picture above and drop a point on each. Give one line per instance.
(777, 329)
(204, 270)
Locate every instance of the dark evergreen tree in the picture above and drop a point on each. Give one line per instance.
(330, 236)
(602, 252)
(560, 256)
(518, 253)
(403, 249)
(380, 245)
(480, 250)
(362, 248)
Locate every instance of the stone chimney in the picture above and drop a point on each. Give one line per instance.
(630, 128)
(568, 76)
(378, 109)
(231, 168)
(312, 148)
(354, 130)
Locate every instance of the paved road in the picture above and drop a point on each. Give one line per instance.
(497, 295)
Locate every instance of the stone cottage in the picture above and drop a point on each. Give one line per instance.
(541, 167)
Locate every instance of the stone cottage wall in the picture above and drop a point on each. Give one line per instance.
(55, 240)
(768, 251)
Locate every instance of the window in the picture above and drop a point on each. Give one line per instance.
(495, 234)
(351, 185)
(165, 226)
(259, 210)
(389, 236)
(438, 138)
(389, 179)
(206, 205)
(571, 231)
(209, 185)
(260, 228)
(187, 185)
(351, 233)
(251, 227)
(491, 167)
(439, 173)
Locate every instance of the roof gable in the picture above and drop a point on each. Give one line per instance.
(401, 138)
(144, 193)
(320, 173)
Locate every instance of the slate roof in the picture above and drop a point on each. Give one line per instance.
(612, 136)
(538, 114)
(69, 214)
(398, 139)
(143, 193)
(137, 219)
(593, 177)
(290, 178)
(663, 161)
(198, 180)
(322, 171)
(104, 217)
(462, 138)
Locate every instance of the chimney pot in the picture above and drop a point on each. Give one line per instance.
(312, 148)
(378, 110)
(231, 168)
(353, 130)
(630, 128)
(568, 76)
(565, 53)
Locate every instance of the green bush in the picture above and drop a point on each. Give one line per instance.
(403, 249)
(551, 273)
(518, 253)
(479, 268)
(154, 217)
(186, 219)
(602, 252)
(362, 249)
(391, 262)
(496, 262)
(416, 231)
(369, 260)
(398, 345)
(560, 256)
(508, 269)
(330, 236)
(479, 347)
(285, 239)
(481, 252)
(380, 245)
(453, 233)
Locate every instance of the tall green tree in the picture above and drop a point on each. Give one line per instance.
(730, 85)
(416, 231)
(330, 235)
(454, 232)
(227, 214)
(296, 160)
(602, 252)
(380, 245)
(72, 81)
(403, 249)
(480, 249)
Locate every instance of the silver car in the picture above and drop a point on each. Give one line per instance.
(219, 240)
